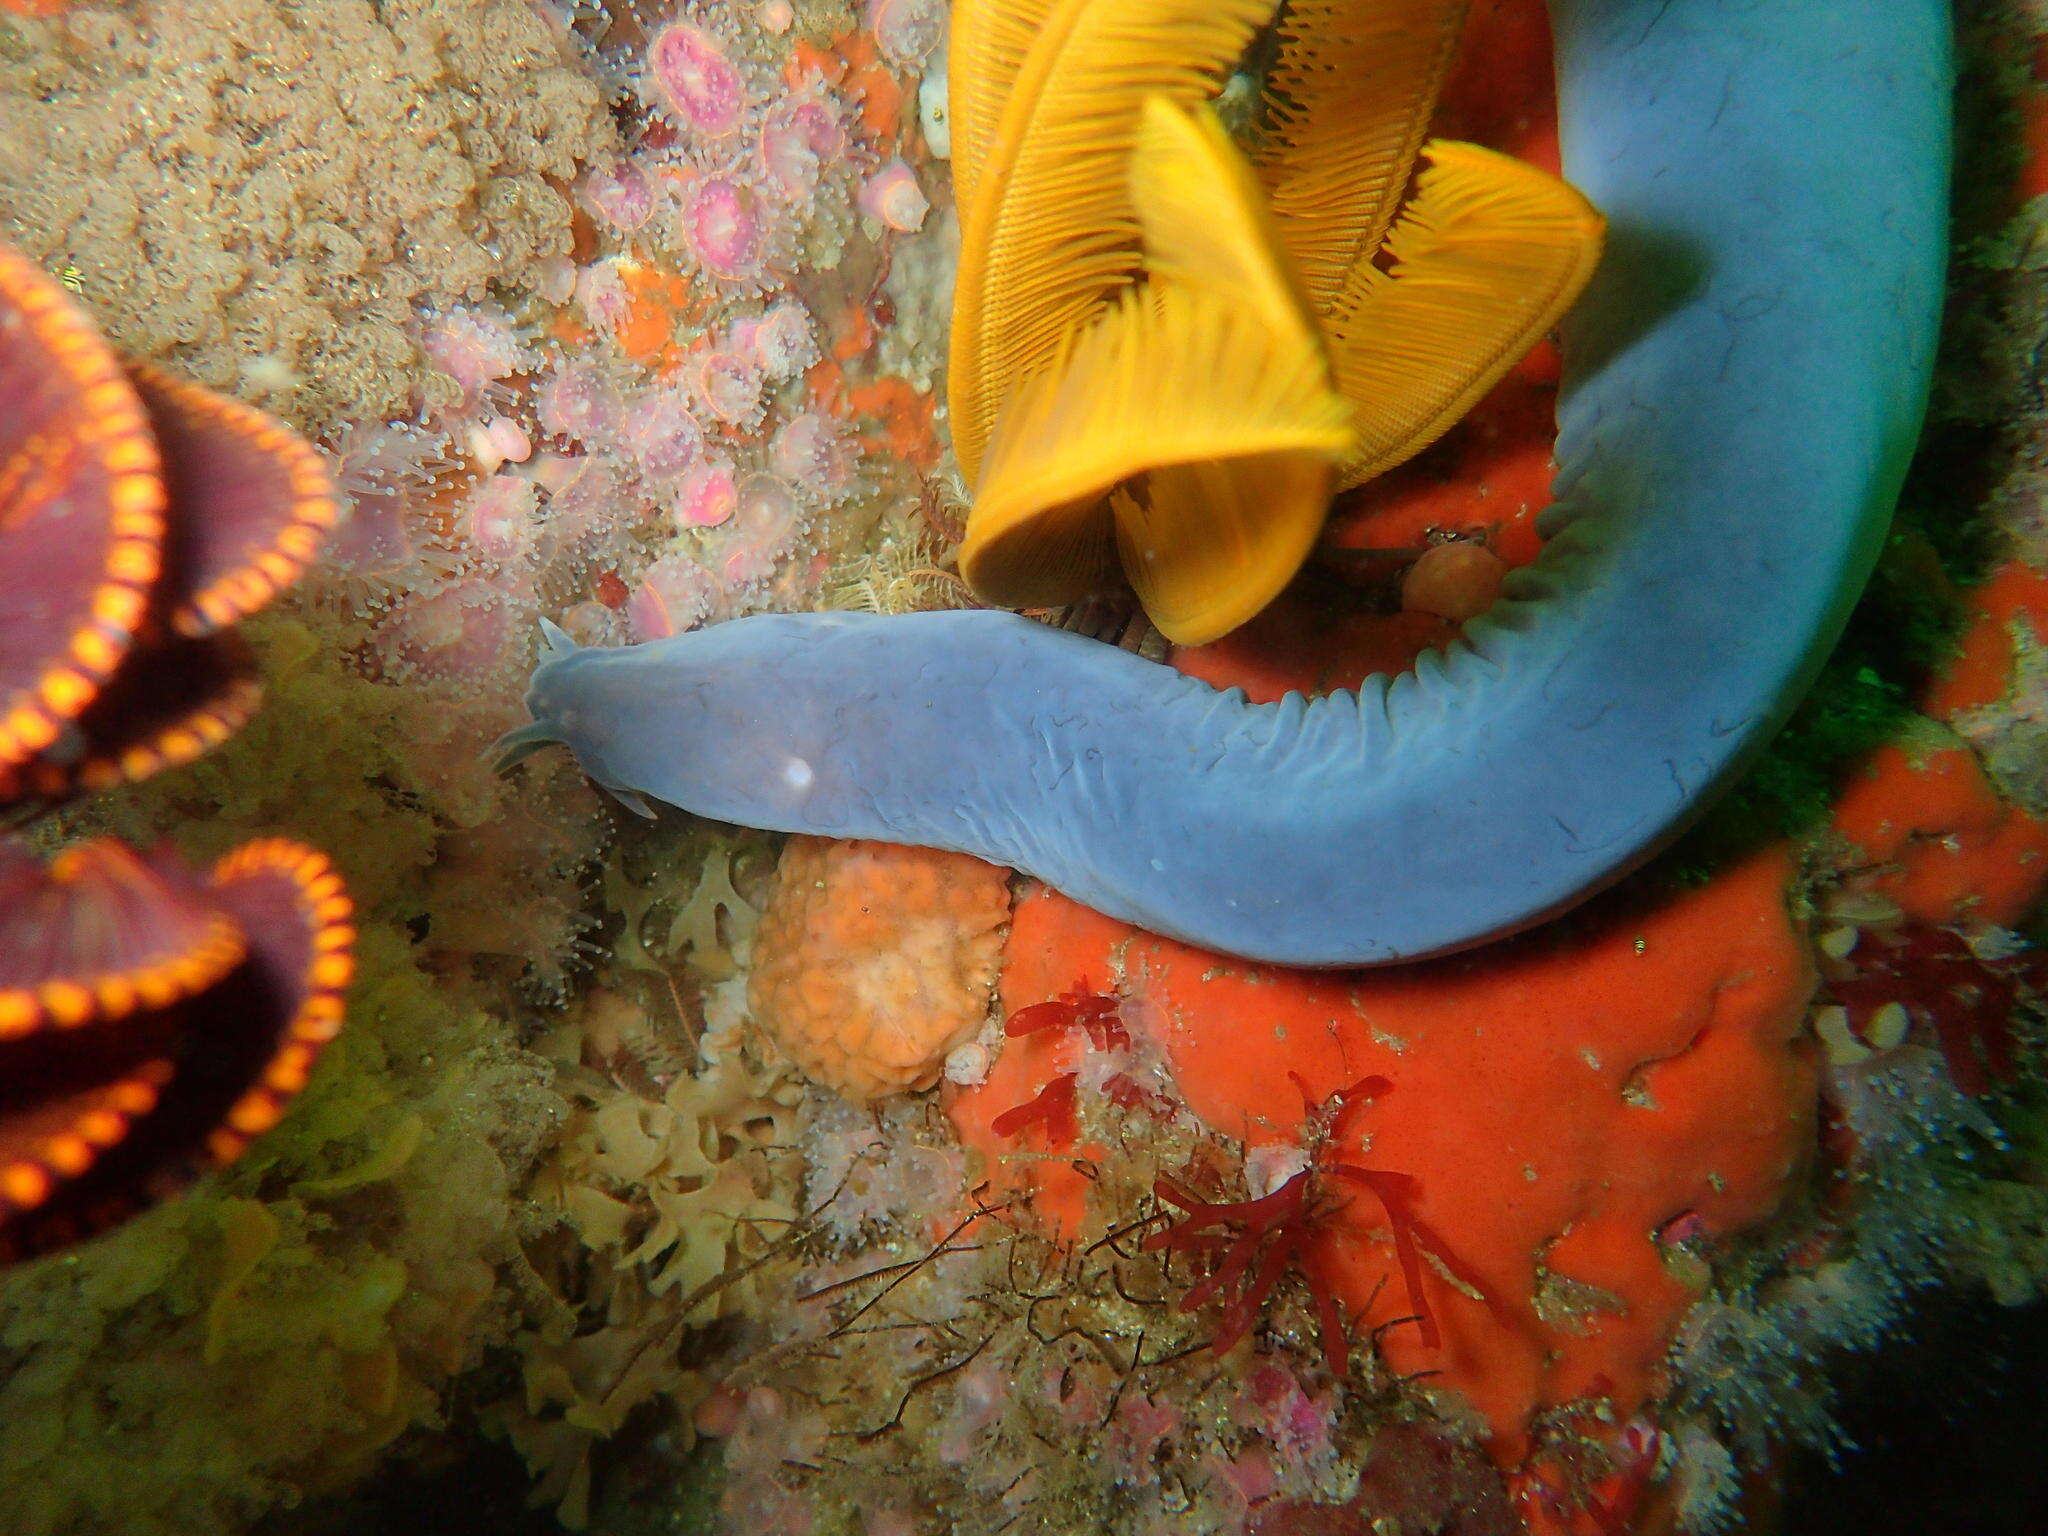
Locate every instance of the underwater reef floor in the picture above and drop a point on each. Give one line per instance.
(560, 1238)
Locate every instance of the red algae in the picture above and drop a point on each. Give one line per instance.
(1554, 1102)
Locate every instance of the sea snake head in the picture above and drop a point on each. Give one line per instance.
(711, 709)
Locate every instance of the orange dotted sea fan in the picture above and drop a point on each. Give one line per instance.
(151, 1021)
(81, 510)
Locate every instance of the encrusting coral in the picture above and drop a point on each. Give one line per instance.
(1634, 1083)
(267, 199)
(873, 962)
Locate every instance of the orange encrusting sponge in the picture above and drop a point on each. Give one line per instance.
(1561, 1100)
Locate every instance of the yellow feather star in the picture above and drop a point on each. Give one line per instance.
(1203, 397)
(988, 42)
(1347, 102)
(1049, 236)
(1166, 365)
(1486, 257)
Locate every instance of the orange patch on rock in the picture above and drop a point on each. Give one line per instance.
(1502, 90)
(907, 418)
(1559, 1100)
(658, 304)
(1297, 644)
(1490, 473)
(2032, 179)
(1981, 670)
(1935, 837)
(1039, 1165)
(904, 417)
(853, 64)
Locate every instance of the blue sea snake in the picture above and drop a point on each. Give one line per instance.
(1744, 383)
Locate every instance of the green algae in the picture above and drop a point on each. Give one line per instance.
(276, 1329)
(230, 1351)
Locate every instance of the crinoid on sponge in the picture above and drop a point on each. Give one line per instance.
(1118, 250)
(873, 962)
(151, 1021)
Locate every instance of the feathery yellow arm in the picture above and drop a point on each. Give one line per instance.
(1052, 235)
(1204, 218)
(1348, 101)
(1203, 399)
(988, 40)
(1171, 375)
(1208, 544)
(1488, 256)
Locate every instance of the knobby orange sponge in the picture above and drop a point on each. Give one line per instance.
(1568, 1104)
(872, 962)
(2015, 595)
(1933, 835)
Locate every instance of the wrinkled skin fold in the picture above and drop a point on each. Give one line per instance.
(1744, 383)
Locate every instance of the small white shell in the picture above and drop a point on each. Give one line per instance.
(893, 196)
(1831, 1025)
(967, 1065)
(931, 112)
(1267, 1168)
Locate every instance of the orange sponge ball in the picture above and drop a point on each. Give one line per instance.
(874, 961)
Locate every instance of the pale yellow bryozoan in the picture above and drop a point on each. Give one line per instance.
(1050, 237)
(1348, 101)
(1203, 398)
(1487, 257)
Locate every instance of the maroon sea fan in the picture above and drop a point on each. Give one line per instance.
(151, 1020)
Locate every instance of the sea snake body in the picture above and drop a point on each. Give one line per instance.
(1744, 382)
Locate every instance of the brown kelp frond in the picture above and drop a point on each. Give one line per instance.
(988, 43)
(1347, 104)
(1052, 235)
(1170, 376)
(1486, 258)
(1204, 217)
